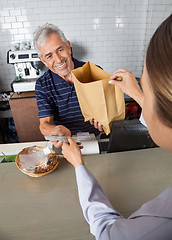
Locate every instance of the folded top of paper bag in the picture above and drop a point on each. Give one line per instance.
(89, 72)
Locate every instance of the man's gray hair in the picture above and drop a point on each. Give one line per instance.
(43, 32)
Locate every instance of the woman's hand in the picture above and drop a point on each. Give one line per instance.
(128, 84)
(72, 153)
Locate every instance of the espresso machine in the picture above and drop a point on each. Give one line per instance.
(28, 68)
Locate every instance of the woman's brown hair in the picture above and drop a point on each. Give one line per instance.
(159, 67)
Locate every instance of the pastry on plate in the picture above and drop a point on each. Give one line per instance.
(37, 161)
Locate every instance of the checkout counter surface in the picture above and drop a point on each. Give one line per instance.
(48, 207)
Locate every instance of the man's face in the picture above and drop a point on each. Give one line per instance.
(56, 55)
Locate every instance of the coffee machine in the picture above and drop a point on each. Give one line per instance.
(28, 68)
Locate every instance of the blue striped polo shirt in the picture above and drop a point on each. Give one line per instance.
(56, 97)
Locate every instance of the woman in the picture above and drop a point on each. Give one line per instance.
(154, 219)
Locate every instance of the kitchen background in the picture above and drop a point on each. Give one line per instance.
(110, 33)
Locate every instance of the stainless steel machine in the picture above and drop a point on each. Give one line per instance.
(28, 68)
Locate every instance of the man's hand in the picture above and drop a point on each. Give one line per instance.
(96, 124)
(59, 131)
(72, 153)
(47, 128)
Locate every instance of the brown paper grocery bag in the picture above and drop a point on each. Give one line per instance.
(97, 98)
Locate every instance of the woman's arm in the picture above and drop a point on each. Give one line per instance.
(96, 207)
(148, 223)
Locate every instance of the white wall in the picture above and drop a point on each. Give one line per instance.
(110, 33)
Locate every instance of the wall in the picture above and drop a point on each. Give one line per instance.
(110, 33)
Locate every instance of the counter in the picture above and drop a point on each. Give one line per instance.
(48, 207)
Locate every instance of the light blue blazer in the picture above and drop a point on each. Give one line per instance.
(153, 221)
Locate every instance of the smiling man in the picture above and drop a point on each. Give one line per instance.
(59, 110)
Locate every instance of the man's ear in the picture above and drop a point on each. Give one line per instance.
(69, 46)
(42, 60)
